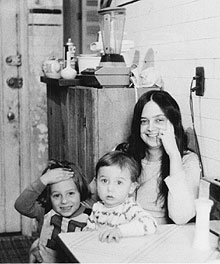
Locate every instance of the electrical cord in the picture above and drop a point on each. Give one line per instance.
(194, 129)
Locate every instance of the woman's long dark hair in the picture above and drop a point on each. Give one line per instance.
(136, 145)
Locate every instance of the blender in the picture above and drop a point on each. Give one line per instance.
(112, 70)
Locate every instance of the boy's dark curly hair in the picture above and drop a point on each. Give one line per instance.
(78, 178)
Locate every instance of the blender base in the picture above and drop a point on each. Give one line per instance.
(109, 76)
(105, 77)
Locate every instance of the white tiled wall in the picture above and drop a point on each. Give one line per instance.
(175, 36)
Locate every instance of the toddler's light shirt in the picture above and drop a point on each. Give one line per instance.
(129, 217)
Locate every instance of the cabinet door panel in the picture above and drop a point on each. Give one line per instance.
(81, 119)
(72, 126)
(63, 124)
(115, 113)
(55, 126)
(81, 98)
(90, 131)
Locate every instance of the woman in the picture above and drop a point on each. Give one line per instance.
(169, 181)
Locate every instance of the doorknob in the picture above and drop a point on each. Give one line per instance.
(10, 116)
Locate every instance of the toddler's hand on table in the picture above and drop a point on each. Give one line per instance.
(110, 235)
(56, 175)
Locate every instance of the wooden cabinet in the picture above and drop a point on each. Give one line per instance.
(85, 122)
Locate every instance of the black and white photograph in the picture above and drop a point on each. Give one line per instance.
(110, 131)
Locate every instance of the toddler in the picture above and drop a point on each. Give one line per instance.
(55, 200)
(117, 215)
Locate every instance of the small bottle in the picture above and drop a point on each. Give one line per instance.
(70, 47)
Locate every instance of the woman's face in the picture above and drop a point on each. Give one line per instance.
(152, 120)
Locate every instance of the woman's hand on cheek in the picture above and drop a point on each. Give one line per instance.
(56, 175)
(168, 139)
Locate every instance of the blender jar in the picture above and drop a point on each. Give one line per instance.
(112, 29)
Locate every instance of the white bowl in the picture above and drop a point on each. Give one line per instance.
(88, 61)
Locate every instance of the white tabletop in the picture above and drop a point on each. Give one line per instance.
(170, 243)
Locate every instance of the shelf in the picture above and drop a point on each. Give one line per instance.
(61, 82)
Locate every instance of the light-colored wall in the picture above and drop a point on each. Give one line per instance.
(175, 36)
(45, 39)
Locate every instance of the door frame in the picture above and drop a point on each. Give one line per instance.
(24, 135)
(25, 124)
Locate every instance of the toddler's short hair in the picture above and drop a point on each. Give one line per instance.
(123, 160)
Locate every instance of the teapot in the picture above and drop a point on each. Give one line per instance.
(52, 68)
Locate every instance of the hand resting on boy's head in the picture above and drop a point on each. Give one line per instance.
(56, 175)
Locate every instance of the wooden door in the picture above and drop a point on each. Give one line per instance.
(14, 133)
